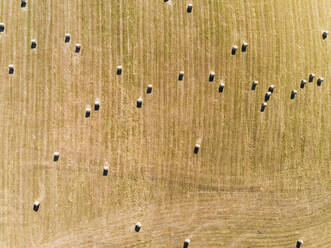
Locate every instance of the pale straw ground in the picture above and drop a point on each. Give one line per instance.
(259, 179)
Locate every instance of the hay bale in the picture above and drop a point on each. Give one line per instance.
(234, 50)
(196, 148)
(36, 205)
(11, 69)
(221, 87)
(33, 44)
(180, 76)
(105, 170)
(303, 83)
(311, 77)
(67, 38)
(189, 8)
(211, 76)
(139, 102)
(149, 89)
(267, 96)
(23, 3)
(2, 27)
(56, 156)
(87, 111)
(271, 88)
(186, 243)
(96, 104)
(299, 243)
(138, 227)
(325, 34)
(244, 47)
(263, 106)
(254, 85)
(320, 81)
(119, 70)
(78, 47)
(293, 93)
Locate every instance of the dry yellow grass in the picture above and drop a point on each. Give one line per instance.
(259, 179)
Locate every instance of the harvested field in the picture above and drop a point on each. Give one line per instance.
(260, 179)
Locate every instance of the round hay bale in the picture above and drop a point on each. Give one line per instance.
(78, 47)
(11, 69)
(97, 104)
(23, 3)
(271, 88)
(303, 83)
(105, 170)
(119, 70)
(87, 111)
(186, 243)
(67, 38)
(33, 44)
(234, 50)
(149, 89)
(299, 243)
(139, 102)
(211, 76)
(181, 76)
(189, 8)
(254, 85)
(320, 81)
(311, 77)
(2, 27)
(293, 93)
(36, 206)
(267, 96)
(196, 148)
(221, 87)
(244, 47)
(263, 106)
(138, 227)
(325, 34)
(56, 156)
